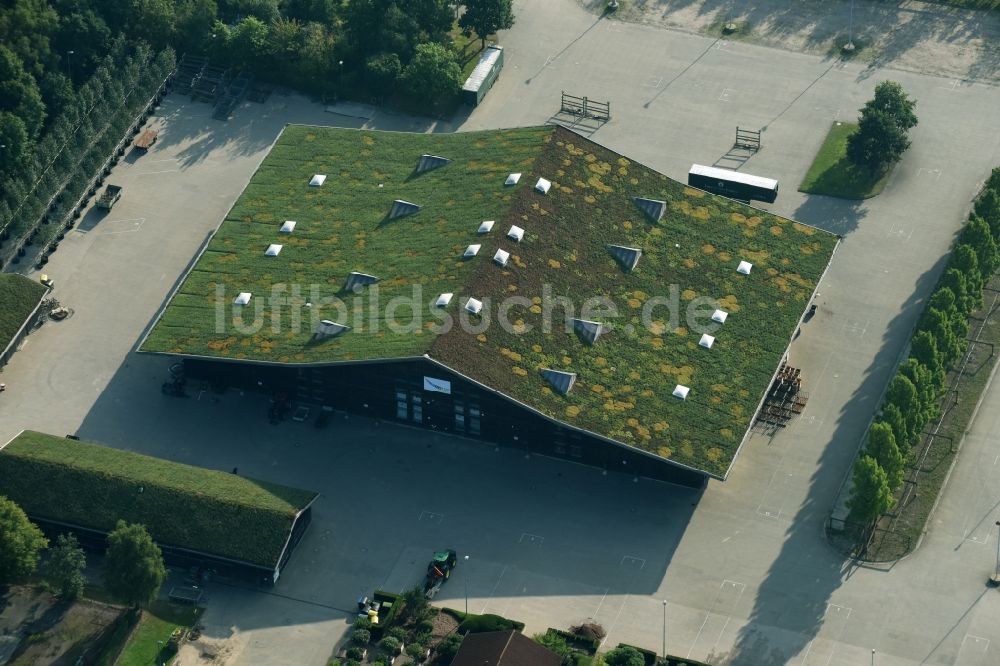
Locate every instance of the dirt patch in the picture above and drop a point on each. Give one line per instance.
(444, 625)
(36, 628)
(205, 651)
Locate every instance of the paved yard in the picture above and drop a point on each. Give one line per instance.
(743, 566)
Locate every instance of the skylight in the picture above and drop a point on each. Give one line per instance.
(706, 341)
(512, 179)
(543, 186)
(681, 391)
(501, 257)
(485, 227)
(443, 300)
(242, 299)
(744, 267)
(474, 306)
(273, 250)
(317, 180)
(719, 316)
(471, 251)
(288, 227)
(516, 233)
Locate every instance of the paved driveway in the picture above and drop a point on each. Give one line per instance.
(743, 566)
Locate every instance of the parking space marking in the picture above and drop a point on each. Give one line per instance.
(838, 620)
(628, 560)
(898, 232)
(151, 173)
(720, 45)
(855, 327)
(724, 97)
(531, 538)
(653, 82)
(136, 224)
(932, 173)
(431, 516)
(977, 648)
(549, 62)
(726, 603)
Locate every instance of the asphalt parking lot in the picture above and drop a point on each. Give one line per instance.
(743, 566)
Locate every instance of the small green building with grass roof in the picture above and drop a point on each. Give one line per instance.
(199, 517)
(526, 286)
(20, 300)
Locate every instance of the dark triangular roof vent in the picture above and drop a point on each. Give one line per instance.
(628, 257)
(329, 329)
(653, 208)
(355, 281)
(431, 162)
(589, 331)
(561, 381)
(402, 208)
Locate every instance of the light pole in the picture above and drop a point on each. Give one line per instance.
(466, 558)
(996, 572)
(849, 46)
(664, 630)
(873, 656)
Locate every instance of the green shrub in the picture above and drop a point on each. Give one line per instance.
(355, 653)
(425, 627)
(416, 650)
(361, 636)
(390, 644)
(553, 641)
(624, 655)
(398, 633)
(334, 662)
(362, 623)
(448, 648)
(476, 624)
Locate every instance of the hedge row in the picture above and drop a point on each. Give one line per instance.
(938, 344)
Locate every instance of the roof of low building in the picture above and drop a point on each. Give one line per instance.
(503, 648)
(92, 486)
(651, 280)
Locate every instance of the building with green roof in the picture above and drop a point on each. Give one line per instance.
(201, 517)
(525, 286)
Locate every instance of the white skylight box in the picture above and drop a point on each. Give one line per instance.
(273, 250)
(485, 227)
(719, 316)
(317, 180)
(443, 300)
(516, 233)
(473, 306)
(681, 391)
(471, 251)
(501, 257)
(512, 179)
(542, 186)
(744, 267)
(288, 227)
(706, 341)
(242, 299)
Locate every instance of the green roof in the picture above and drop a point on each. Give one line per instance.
(92, 486)
(18, 297)
(624, 381)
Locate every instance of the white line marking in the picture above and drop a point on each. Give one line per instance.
(601, 602)
(935, 173)
(493, 591)
(531, 538)
(150, 173)
(724, 97)
(718, 595)
(431, 517)
(633, 561)
(653, 82)
(166, 159)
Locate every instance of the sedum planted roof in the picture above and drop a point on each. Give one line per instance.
(92, 486)
(624, 380)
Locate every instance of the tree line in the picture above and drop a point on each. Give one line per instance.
(133, 564)
(912, 399)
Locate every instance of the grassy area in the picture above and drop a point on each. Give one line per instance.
(941, 450)
(18, 297)
(971, 4)
(147, 643)
(624, 382)
(832, 174)
(93, 486)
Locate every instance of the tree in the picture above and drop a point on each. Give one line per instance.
(979, 237)
(433, 73)
(64, 568)
(624, 655)
(871, 495)
(937, 324)
(903, 394)
(988, 207)
(485, 17)
(882, 447)
(881, 138)
(381, 72)
(133, 565)
(894, 419)
(928, 385)
(965, 260)
(955, 281)
(20, 543)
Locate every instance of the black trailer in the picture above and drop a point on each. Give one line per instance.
(733, 184)
(483, 76)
